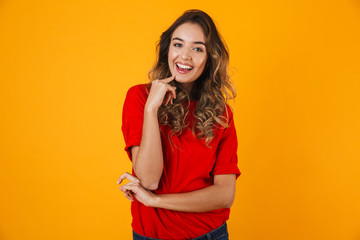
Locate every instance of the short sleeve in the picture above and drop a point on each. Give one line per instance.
(226, 153)
(133, 116)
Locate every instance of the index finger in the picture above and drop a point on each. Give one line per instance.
(127, 176)
(169, 79)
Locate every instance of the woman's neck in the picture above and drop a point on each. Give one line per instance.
(187, 86)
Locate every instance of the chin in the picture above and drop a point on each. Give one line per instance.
(182, 80)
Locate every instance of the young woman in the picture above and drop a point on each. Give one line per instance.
(180, 135)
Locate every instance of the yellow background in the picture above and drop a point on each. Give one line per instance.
(66, 65)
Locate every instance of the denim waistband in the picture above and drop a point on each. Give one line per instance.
(222, 230)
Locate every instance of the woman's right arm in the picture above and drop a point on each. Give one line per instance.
(147, 159)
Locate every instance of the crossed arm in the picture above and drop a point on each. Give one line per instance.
(219, 195)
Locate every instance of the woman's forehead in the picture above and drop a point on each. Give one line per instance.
(189, 32)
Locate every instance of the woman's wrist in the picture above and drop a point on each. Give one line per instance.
(155, 201)
(150, 109)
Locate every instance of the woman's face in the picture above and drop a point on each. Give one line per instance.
(187, 54)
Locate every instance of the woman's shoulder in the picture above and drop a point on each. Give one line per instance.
(228, 110)
(227, 113)
(138, 91)
(139, 88)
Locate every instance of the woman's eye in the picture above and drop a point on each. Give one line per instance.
(177, 45)
(198, 49)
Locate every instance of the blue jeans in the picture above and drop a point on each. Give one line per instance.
(221, 233)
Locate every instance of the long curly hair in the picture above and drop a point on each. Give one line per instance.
(211, 90)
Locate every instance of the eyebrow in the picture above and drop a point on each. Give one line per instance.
(198, 42)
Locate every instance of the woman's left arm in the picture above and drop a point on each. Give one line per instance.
(219, 195)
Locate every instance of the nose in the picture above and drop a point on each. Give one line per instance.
(185, 54)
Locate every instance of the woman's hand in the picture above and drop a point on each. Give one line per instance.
(160, 92)
(135, 189)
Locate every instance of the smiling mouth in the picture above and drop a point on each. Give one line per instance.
(183, 68)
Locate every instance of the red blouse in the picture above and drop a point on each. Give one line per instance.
(188, 167)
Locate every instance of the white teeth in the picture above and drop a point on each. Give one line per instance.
(183, 66)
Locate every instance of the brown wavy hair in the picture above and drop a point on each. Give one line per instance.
(211, 90)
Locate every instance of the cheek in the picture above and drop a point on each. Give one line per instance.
(202, 62)
(169, 59)
(171, 54)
